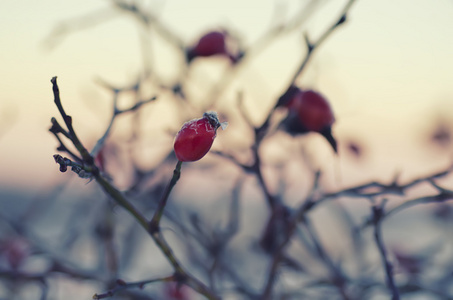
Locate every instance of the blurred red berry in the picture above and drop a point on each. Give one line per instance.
(313, 110)
(195, 138)
(210, 44)
(14, 251)
(308, 111)
(99, 160)
(175, 291)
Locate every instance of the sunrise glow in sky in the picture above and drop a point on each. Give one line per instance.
(388, 72)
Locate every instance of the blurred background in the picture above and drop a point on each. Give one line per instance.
(386, 72)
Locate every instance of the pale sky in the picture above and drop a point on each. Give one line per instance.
(388, 72)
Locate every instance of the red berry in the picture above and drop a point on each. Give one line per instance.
(212, 43)
(313, 110)
(195, 138)
(307, 111)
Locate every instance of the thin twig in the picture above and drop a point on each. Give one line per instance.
(149, 20)
(278, 252)
(311, 47)
(338, 278)
(121, 285)
(68, 121)
(393, 187)
(154, 224)
(116, 112)
(121, 200)
(377, 217)
(271, 200)
(438, 198)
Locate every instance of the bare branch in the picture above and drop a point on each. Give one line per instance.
(378, 212)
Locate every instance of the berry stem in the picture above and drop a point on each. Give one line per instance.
(154, 224)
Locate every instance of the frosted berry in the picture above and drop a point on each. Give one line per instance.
(195, 138)
(308, 111)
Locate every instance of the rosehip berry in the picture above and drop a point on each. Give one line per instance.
(212, 43)
(195, 138)
(308, 111)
